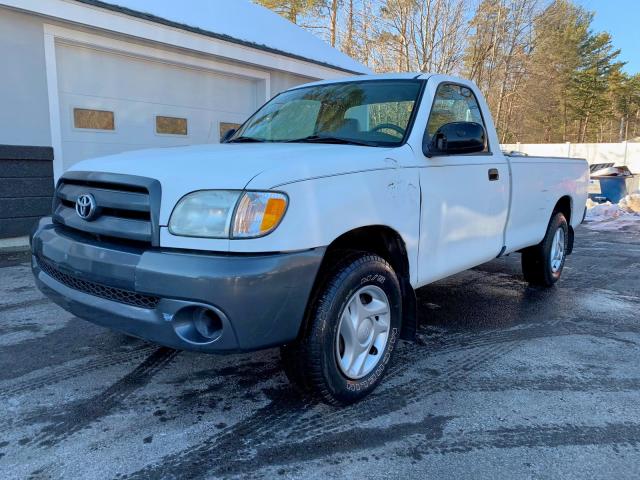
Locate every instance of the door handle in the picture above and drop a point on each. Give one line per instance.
(494, 174)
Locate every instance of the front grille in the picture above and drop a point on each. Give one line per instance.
(97, 289)
(123, 206)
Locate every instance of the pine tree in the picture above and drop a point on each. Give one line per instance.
(559, 31)
(590, 82)
(292, 10)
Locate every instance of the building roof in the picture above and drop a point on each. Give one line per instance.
(240, 22)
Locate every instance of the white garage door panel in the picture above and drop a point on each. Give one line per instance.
(134, 127)
(93, 72)
(137, 90)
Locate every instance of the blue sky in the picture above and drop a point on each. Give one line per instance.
(621, 18)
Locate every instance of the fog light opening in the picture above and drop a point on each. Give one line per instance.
(198, 324)
(207, 323)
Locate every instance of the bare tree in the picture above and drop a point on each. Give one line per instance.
(395, 30)
(348, 45)
(333, 21)
(425, 35)
(438, 34)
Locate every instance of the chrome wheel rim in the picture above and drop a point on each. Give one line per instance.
(557, 250)
(363, 332)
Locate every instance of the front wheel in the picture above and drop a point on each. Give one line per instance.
(354, 325)
(542, 264)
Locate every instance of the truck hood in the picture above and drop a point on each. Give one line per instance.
(181, 170)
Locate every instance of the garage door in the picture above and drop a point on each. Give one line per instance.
(110, 103)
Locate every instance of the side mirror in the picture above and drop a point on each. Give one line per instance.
(227, 135)
(457, 138)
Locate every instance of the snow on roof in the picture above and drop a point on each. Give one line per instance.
(238, 21)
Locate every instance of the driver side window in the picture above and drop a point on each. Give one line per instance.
(453, 103)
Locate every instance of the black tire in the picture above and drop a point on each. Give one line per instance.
(312, 362)
(536, 260)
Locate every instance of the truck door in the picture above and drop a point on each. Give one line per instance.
(465, 198)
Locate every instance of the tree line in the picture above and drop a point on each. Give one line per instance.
(546, 74)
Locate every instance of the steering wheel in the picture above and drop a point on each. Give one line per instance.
(389, 126)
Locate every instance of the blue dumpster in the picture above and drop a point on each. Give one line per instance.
(616, 188)
(615, 183)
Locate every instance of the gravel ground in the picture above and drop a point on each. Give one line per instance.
(507, 381)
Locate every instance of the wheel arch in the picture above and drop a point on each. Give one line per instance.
(564, 205)
(388, 244)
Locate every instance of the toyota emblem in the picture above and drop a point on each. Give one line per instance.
(86, 206)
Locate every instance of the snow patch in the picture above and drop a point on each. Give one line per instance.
(609, 216)
(631, 203)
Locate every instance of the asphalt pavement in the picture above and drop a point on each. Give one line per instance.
(506, 381)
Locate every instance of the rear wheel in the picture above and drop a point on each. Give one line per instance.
(542, 264)
(353, 328)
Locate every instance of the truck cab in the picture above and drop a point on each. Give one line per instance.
(309, 228)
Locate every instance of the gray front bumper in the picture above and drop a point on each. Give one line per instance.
(260, 299)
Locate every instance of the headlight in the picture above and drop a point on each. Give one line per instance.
(206, 213)
(210, 214)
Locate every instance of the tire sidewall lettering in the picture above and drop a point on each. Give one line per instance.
(373, 278)
(380, 368)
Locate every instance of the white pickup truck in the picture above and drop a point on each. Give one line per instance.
(309, 228)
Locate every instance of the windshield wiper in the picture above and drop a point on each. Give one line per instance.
(246, 140)
(330, 139)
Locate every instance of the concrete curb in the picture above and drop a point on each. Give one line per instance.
(15, 244)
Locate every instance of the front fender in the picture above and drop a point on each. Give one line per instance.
(322, 209)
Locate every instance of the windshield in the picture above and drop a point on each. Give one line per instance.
(375, 113)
